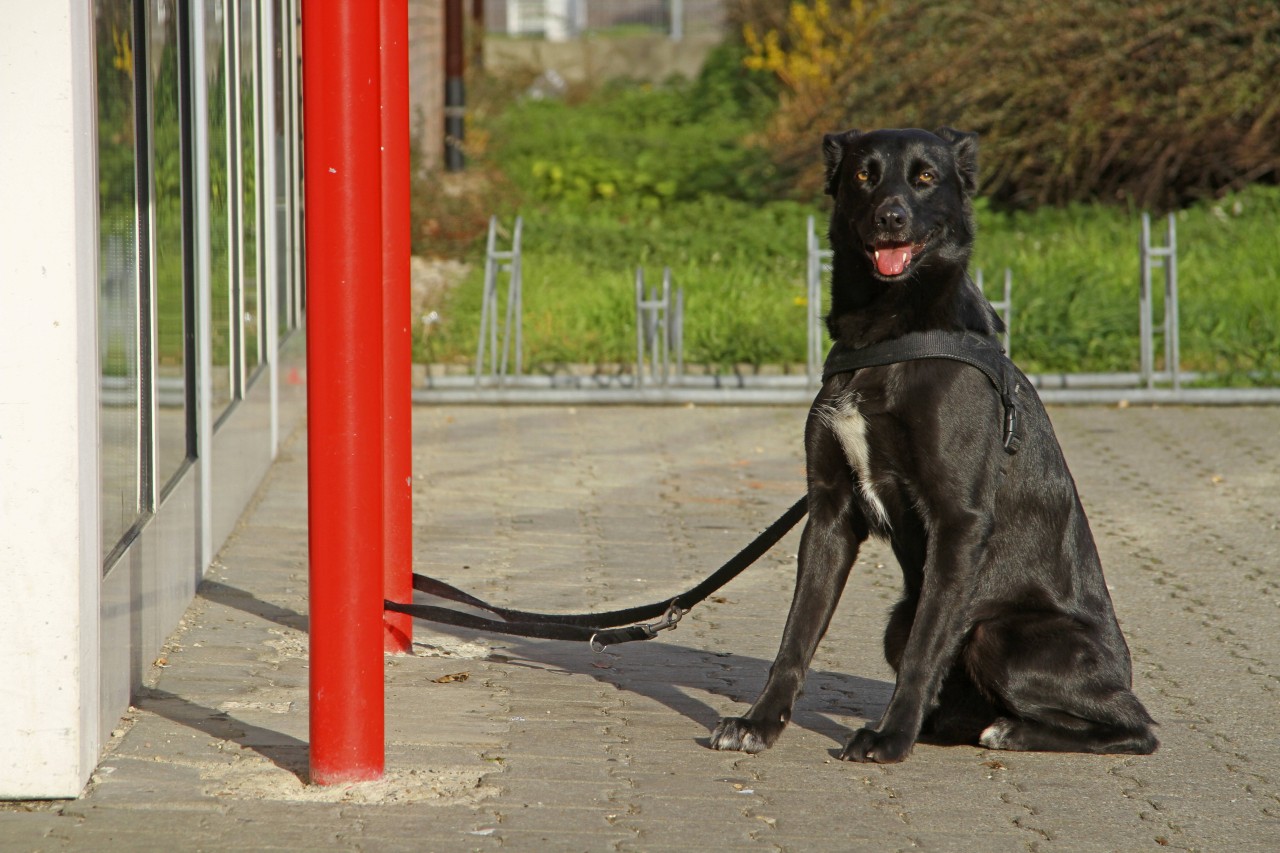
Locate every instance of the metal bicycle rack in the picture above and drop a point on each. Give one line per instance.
(1165, 256)
(659, 332)
(819, 262)
(495, 263)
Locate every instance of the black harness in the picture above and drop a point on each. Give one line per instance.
(980, 351)
(614, 627)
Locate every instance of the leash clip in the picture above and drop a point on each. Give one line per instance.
(601, 640)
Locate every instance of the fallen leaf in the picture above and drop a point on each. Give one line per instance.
(994, 765)
(452, 677)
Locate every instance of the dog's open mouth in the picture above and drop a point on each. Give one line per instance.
(893, 259)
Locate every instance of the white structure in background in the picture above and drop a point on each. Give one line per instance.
(555, 20)
(562, 20)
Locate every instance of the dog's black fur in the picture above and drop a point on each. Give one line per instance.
(1005, 635)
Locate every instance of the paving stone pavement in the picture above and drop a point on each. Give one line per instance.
(548, 746)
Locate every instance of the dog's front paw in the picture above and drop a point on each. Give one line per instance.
(745, 735)
(879, 747)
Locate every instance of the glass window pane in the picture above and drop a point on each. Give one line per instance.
(279, 150)
(166, 143)
(118, 270)
(219, 211)
(249, 185)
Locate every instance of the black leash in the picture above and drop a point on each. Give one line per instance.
(599, 629)
(616, 626)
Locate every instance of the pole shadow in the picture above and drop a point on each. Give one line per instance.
(246, 602)
(284, 751)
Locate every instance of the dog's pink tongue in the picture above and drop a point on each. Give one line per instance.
(892, 260)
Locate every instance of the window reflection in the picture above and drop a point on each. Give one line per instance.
(148, 233)
(280, 150)
(118, 271)
(249, 185)
(221, 342)
(167, 153)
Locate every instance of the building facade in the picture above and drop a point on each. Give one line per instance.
(151, 351)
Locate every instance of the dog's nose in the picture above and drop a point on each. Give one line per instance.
(891, 215)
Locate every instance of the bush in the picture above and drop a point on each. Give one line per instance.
(641, 145)
(1154, 103)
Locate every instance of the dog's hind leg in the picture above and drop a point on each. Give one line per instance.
(1064, 685)
(1017, 733)
(835, 530)
(962, 714)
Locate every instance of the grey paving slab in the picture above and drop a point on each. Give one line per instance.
(548, 746)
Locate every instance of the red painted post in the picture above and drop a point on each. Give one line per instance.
(344, 388)
(398, 340)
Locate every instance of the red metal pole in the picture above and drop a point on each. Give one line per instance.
(344, 388)
(398, 340)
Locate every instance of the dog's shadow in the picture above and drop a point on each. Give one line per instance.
(680, 678)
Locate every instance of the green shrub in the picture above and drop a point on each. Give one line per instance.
(640, 145)
(1154, 102)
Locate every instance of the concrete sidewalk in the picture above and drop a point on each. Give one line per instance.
(535, 745)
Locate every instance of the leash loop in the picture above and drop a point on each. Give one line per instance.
(601, 640)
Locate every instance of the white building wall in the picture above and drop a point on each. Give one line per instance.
(50, 568)
(75, 640)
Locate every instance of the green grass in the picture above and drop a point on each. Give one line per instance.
(1075, 283)
(743, 291)
(653, 177)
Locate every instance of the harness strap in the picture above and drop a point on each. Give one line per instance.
(977, 350)
(600, 629)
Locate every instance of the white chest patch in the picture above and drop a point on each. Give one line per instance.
(850, 429)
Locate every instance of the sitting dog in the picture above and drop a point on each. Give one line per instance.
(1005, 636)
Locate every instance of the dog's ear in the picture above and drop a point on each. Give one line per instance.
(832, 153)
(964, 146)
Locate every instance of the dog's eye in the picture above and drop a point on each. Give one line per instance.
(863, 175)
(928, 176)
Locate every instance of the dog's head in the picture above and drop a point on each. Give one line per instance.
(904, 196)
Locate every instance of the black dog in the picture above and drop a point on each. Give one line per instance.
(1005, 636)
